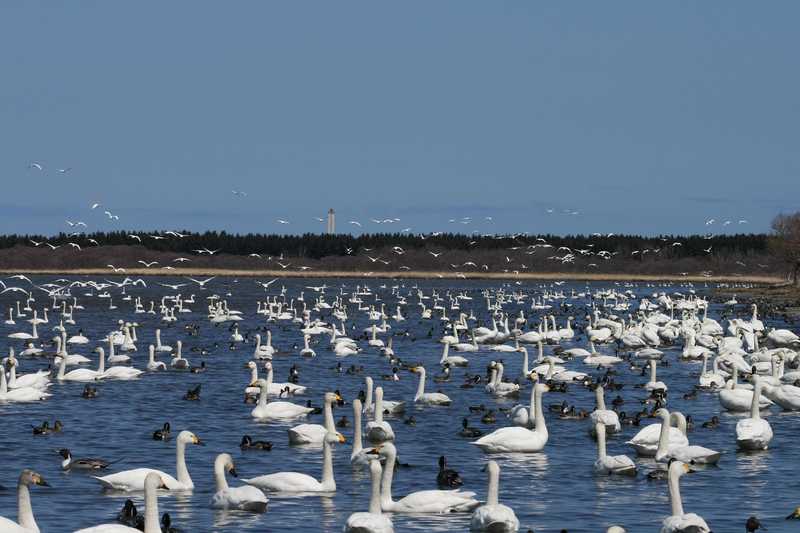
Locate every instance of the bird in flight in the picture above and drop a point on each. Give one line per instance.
(355, 223)
(111, 216)
(175, 286)
(146, 264)
(37, 166)
(36, 243)
(284, 267)
(75, 245)
(180, 260)
(267, 284)
(132, 236)
(281, 221)
(202, 283)
(435, 254)
(63, 170)
(175, 234)
(239, 193)
(95, 205)
(116, 269)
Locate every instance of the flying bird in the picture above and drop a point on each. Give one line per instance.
(202, 283)
(132, 236)
(146, 264)
(281, 221)
(355, 222)
(35, 165)
(116, 269)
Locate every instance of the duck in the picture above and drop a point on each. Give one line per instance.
(249, 444)
(447, 478)
(493, 517)
(519, 439)
(152, 483)
(163, 433)
(134, 480)
(244, 498)
(679, 521)
(468, 432)
(193, 395)
(89, 392)
(70, 463)
(27, 522)
(373, 521)
(425, 501)
(299, 482)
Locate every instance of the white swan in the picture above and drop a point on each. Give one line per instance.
(754, 433)
(496, 386)
(178, 361)
(161, 347)
(452, 360)
(654, 384)
(738, 399)
(687, 453)
(152, 483)
(315, 433)
(275, 389)
(610, 464)
(244, 498)
(493, 517)
(27, 523)
(152, 364)
(389, 406)
(21, 394)
(519, 439)
(299, 482)
(679, 522)
(607, 417)
(37, 380)
(428, 398)
(379, 430)
(372, 521)
(307, 351)
(424, 501)
(274, 410)
(134, 480)
(79, 374)
(645, 442)
(521, 415)
(115, 372)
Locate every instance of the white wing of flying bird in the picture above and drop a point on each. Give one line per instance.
(69, 223)
(181, 260)
(95, 205)
(355, 222)
(14, 289)
(52, 246)
(36, 243)
(93, 242)
(710, 221)
(202, 283)
(287, 265)
(212, 252)
(22, 277)
(175, 234)
(280, 221)
(157, 237)
(742, 221)
(35, 165)
(131, 236)
(146, 264)
(434, 254)
(115, 269)
(255, 255)
(267, 284)
(75, 245)
(174, 287)
(63, 170)
(318, 219)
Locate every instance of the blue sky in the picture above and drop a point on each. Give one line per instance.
(637, 117)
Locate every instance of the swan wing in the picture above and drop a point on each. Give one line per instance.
(133, 480)
(104, 528)
(285, 482)
(437, 501)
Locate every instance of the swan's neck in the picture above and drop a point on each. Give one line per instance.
(705, 364)
(24, 510)
(368, 406)
(12, 375)
(494, 486)
(541, 428)
(101, 365)
(357, 439)
(675, 496)
(755, 414)
(663, 437)
(601, 442)
(180, 465)
(219, 474)
(329, 424)
(328, 483)
(386, 479)
(158, 338)
(445, 353)
(499, 378)
(152, 523)
(541, 352)
(254, 374)
(378, 405)
(375, 494)
(3, 384)
(601, 401)
(420, 385)
(62, 368)
(262, 397)
(525, 370)
(653, 371)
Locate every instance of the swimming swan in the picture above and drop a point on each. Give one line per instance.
(152, 483)
(27, 523)
(519, 439)
(274, 410)
(428, 398)
(678, 521)
(754, 433)
(372, 521)
(315, 433)
(244, 498)
(493, 516)
(134, 480)
(610, 464)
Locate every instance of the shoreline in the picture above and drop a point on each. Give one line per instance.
(409, 274)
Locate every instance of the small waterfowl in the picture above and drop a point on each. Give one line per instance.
(46, 429)
(249, 444)
(193, 395)
(163, 433)
(447, 478)
(70, 463)
(89, 392)
(468, 432)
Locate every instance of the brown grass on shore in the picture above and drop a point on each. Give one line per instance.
(410, 274)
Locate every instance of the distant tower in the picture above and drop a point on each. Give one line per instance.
(331, 222)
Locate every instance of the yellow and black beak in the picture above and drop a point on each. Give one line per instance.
(795, 515)
(339, 398)
(196, 440)
(39, 480)
(232, 472)
(413, 369)
(341, 438)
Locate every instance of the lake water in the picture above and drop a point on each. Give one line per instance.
(549, 491)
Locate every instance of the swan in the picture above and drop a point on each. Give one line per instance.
(739, 399)
(115, 358)
(602, 415)
(307, 351)
(152, 483)
(315, 433)
(244, 498)
(564, 376)
(372, 521)
(424, 501)
(61, 351)
(152, 364)
(453, 360)
(178, 361)
(264, 351)
(645, 442)
(275, 388)
(521, 415)
(379, 430)
(713, 379)
(25, 336)
(654, 384)
(679, 522)
(687, 453)
(787, 396)
(299, 482)
(275, 410)
(79, 374)
(161, 347)
(25, 394)
(754, 433)
(519, 439)
(428, 398)
(389, 406)
(37, 380)
(134, 480)
(493, 516)
(116, 372)
(607, 465)
(27, 523)
(497, 386)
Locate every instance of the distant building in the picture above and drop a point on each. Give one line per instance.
(331, 222)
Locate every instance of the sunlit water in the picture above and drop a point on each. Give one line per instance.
(548, 491)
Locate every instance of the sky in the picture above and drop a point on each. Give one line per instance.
(490, 117)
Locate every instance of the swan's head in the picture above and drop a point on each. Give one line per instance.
(153, 482)
(331, 397)
(29, 477)
(251, 365)
(417, 369)
(227, 463)
(99, 350)
(187, 437)
(662, 413)
(268, 366)
(335, 438)
(259, 383)
(533, 376)
(678, 468)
